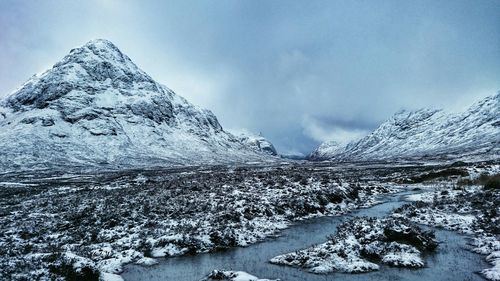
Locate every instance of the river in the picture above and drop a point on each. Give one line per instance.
(451, 261)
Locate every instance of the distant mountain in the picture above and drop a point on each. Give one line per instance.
(259, 143)
(427, 133)
(96, 107)
(326, 150)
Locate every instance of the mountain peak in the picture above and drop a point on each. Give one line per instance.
(96, 107)
(418, 113)
(102, 43)
(95, 66)
(100, 51)
(326, 149)
(105, 50)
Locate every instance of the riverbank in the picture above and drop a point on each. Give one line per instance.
(466, 205)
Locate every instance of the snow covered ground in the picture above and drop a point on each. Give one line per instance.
(233, 276)
(57, 225)
(69, 226)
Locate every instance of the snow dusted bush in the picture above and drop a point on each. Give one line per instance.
(74, 268)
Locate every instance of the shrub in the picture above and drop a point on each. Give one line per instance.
(493, 182)
(66, 270)
(464, 182)
(440, 174)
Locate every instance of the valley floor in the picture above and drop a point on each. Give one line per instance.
(63, 226)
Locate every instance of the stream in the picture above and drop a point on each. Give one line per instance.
(451, 261)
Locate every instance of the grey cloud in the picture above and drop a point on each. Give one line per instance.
(268, 66)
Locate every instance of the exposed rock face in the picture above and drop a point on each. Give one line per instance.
(326, 150)
(428, 133)
(259, 143)
(96, 107)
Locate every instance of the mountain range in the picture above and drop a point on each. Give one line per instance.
(96, 108)
(426, 134)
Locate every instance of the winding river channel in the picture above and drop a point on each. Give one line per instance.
(451, 261)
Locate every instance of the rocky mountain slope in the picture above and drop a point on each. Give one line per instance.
(427, 133)
(96, 107)
(258, 142)
(326, 150)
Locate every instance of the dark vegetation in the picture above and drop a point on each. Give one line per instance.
(397, 230)
(490, 182)
(439, 174)
(468, 205)
(66, 270)
(405, 232)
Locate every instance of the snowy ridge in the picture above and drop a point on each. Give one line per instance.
(427, 133)
(96, 107)
(326, 149)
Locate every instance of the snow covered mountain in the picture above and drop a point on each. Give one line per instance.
(326, 150)
(427, 133)
(258, 142)
(96, 107)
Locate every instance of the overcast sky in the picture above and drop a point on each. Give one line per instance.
(300, 72)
